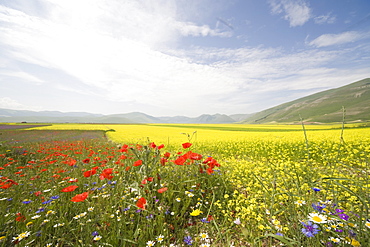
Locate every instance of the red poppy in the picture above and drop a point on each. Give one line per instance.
(209, 170)
(195, 156)
(86, 161)
(141, 203)
(186, 145)
(180, 161)
(69, 188)
(5, 185)
(124, 148)
(80, 197)
(20, 217)
(152, 145)
(106, 174)
(163, 161)
(160, 146)
(70, 162)
(138, 163)
(37, 193)
(210, 217)
(161, 190)
(89, 173)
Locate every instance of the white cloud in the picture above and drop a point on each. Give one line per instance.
(9, 103)
(297, 12)
(20, 75)
(322, 19)
(123, 52)
(337, 39)
(190, 29)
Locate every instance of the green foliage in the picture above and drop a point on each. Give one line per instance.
(324, 107)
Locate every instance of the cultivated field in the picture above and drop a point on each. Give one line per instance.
(207, 185)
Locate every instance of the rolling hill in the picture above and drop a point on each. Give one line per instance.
(322, 107)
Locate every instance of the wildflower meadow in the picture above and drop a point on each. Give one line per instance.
(185, 185)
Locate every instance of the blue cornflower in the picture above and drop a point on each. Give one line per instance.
(279, 234)
(26, 201)
(204, 220)
(55, 197)
(94, 233)
(47, 202)
(316, 189)
(188, 240)
(40, 210)
(309, 229)
(318, 207)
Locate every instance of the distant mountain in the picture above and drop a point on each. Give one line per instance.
(322, 107)
(240, 117)
(23, 113)
(7, 115)
(205, 118)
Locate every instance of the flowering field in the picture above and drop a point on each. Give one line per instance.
(180, 185)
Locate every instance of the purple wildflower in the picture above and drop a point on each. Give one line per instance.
(338, 210)
(343, 216)
(309, 229)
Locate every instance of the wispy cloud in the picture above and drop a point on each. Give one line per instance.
(322, 19)
(337, 39)
(297, 12)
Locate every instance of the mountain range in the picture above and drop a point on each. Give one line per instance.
(323, 107)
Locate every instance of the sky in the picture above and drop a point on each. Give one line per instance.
(177, 57)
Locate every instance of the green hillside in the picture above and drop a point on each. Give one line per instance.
(323, 107)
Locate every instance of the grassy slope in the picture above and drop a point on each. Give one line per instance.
(325, 106)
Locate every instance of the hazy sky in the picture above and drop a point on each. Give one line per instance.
(177, 57)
